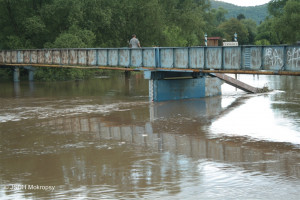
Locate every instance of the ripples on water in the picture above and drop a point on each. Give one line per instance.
(114, 144)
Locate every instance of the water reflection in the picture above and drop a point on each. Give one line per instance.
(161, 134)
(116, 84)
(17, 89)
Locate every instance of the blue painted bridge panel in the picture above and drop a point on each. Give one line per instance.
(183, 88)
(268, 58)
(162, 90)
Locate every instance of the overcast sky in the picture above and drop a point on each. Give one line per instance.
(246, 2)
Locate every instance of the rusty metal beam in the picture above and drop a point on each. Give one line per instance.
(286, 73)
(74, 67)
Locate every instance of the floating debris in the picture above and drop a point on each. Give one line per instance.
(263, 89)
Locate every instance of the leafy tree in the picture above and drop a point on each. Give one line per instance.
(220, 15)
(283, 24)
(174, 37)
(251, 28)
(275, 7)
(233, 26)
(74, 38)
(287, 25)
(146, 19)
(216, 17)
(266, 31)
(15, 16)
(241, 16)
(16, 42)
(35, 31)
(190, 16)
(262, 42)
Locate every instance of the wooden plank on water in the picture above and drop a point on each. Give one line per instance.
(236, 83)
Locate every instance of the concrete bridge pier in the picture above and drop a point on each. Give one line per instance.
(30, 72)
(164, 85)
(16, 74)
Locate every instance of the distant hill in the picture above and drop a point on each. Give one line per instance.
(257, 13)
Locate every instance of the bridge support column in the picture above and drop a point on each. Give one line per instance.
(30, 72)
(30, 75)
(16, 74)
(164, 86)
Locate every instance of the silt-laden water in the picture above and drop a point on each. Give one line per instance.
(103, 139)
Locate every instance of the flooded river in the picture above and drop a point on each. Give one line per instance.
(103, 139)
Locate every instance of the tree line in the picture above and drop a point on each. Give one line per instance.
(257, 13)
(29, 24)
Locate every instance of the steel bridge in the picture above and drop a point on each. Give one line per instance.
(162, 63)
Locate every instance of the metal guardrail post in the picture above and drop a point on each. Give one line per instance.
(262, 58)
(284, 58)
(205, 58)
(157, 58)
(222, 59)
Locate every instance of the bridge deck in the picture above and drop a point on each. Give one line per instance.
(284, 60)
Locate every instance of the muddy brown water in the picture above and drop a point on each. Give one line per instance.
(102, 139)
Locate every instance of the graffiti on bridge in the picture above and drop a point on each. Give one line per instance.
(273, 58)
(293, 57)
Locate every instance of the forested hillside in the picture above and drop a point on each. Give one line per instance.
(256, 13)
(101, 23)
(110, 23)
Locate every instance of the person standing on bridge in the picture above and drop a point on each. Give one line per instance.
(134, 42)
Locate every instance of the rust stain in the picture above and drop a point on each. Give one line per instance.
(2, 56)
(33, 56)
(56, 57)
(64, 57)
(91, 57)
(255, 58)
(73, 57)
(82, 57)
(167, 58)
(48, 56)
(26, 56)
(41, 56)
(213, 58)
(124, 57)
(102, 58)
(14, 57)
(149, 58)
(7, 57)
(232, 59)
(179, 55)
(113, 57)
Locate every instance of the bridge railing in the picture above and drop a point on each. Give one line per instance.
(256, 58)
